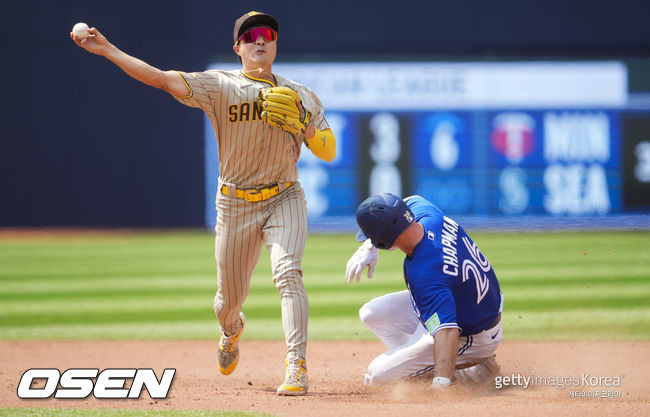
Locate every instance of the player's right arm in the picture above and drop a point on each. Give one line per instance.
(168, 81)
(445, 351)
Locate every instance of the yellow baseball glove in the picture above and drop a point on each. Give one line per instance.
(282, 108)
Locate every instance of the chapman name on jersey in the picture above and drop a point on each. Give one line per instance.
(452, 283)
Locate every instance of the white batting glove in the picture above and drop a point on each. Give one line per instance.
(365, 256)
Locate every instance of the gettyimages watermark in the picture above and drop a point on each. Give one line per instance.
(82, 382)
(584, 385)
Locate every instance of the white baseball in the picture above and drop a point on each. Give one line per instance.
(80, 30)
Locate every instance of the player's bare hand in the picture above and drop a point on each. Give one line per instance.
(365, 256)
(95, 43)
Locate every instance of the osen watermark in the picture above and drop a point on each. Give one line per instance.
(83, 382)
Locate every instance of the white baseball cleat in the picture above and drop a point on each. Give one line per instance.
(478, 373)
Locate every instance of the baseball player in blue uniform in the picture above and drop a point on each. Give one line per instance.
(448, 321)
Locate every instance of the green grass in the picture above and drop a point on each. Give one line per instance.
(160, 285)
(105, 412)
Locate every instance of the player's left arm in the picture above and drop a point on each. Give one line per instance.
(445, 351)
(437, 310)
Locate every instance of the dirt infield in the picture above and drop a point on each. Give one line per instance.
(335, 370)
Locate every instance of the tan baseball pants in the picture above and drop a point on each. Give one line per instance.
(281, 223)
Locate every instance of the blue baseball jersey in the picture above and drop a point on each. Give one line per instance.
(452, 283)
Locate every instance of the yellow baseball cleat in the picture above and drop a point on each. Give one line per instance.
(295, 381)
(228, 355)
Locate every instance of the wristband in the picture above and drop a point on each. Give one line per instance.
(440, 382)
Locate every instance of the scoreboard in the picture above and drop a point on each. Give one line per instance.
(507, 139)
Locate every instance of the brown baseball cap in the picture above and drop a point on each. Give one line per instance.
(251, 19)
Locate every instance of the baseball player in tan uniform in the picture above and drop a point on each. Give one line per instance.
(260, 120)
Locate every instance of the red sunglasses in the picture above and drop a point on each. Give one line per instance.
(252, 35)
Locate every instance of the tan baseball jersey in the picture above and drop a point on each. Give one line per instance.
(255, 154)
(251, 153)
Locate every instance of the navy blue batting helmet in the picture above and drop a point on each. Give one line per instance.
(382, 218)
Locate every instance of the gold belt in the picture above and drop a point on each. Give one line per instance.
(254, 195)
